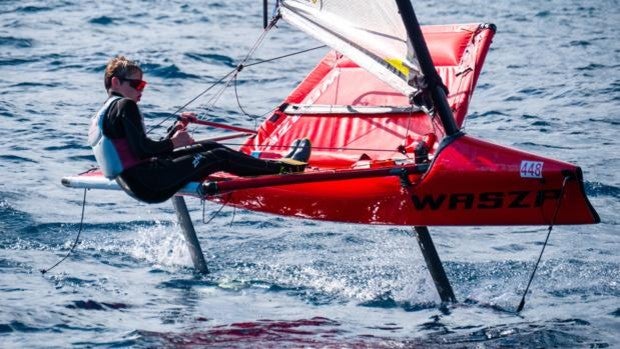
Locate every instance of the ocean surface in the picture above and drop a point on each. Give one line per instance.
(550, 85)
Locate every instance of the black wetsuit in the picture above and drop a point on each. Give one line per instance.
(164, 171)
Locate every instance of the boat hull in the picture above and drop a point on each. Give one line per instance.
(470, 182)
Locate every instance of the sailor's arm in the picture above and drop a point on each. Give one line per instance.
(140, 144)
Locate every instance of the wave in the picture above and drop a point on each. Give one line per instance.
(16, 159)
(167, 71)
(560, 333)
(35, 84)
(16, 42)
(32, 9)
(386, 301)
(104, 20)
(94, 305)
(16, 61)
(212, 58)
(596, 189)
(591, 67)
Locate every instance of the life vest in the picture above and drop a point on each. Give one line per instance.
(112, 155)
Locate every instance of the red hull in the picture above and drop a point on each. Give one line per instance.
(471, 182)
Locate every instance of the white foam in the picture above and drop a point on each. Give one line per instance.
(161, 244)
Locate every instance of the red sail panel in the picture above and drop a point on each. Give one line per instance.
(458, 52)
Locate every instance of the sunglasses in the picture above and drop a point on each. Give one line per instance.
(137, 84)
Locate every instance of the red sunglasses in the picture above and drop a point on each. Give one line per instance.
(137, 84)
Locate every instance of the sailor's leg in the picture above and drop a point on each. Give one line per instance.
(159, 180)
(238, 163)
(198, 147)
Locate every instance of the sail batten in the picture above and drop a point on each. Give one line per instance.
(369, 33)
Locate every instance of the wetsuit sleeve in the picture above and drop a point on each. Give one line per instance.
(133, 127)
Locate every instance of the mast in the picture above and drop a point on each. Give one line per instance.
(440, 102)
(435, 85)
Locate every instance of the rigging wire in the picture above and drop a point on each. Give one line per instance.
(77, 238)
(215, 98)
(555, 214)
(255, 117)
(286, 55)
(234, 74)
(213, 215)
(243, 62)
(216, 212)
(191, 101)
(233, 217)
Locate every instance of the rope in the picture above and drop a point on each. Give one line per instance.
(234, 73)
(253, 117)
(192, 100)
(77, 238)
(228, 197)
(285, 56)
(242, 65)
(243, 111)
(233, 217)
(557, 209)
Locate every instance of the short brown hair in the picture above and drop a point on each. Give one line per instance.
(121, 67)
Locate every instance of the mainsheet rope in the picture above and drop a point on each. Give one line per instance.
(254, 117)
(191, 101)
(234, 72)
(555, 214)
(228, 77)
(77, 238)
(233, 79)
(232, 76)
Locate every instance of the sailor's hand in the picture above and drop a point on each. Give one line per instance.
(181, 139)
(188, 114)
(176, 127)
(179, 126)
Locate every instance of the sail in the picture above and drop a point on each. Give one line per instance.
(371, 33)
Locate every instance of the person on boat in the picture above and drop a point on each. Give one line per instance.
(154, 170)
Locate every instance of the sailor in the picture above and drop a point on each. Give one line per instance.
(151, 170)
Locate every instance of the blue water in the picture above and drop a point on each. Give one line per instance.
(550, 85)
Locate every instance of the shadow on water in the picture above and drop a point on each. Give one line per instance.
(316, 331)
(327, 333)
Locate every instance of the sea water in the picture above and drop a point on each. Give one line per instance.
(550, 85)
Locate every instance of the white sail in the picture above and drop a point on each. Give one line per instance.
(371, 33)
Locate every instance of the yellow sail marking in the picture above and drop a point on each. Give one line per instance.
(398, 65)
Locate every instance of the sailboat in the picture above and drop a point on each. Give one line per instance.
(384, 110)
